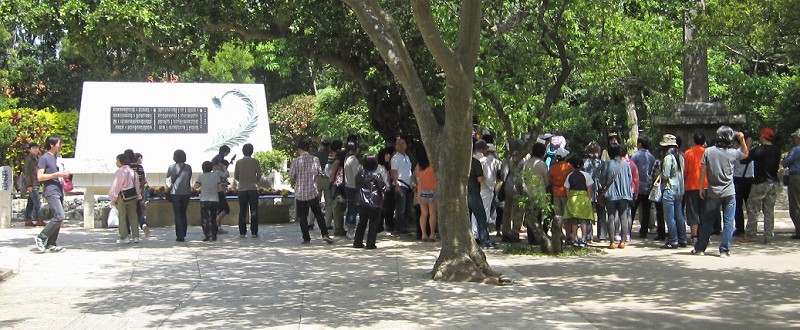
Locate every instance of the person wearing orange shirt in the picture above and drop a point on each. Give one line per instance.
(695, 206)
(558, 175)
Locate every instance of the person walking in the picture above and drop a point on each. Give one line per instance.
(180, 175)
(323, 182)
(766, 185)
(717, 166)
(248, 172)
(792, 165)
(303, 174)
(125, 194)
(52, 178)
(33, 213)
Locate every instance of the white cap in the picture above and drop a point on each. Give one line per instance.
(561, 152)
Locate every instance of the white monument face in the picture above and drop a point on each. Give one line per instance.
(155, 119)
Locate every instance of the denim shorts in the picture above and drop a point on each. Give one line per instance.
(427, 196)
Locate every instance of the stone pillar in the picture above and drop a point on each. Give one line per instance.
(6, 189)
(695, 60)
(88, 208)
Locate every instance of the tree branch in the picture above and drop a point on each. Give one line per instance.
(150, 43)
(431, 35)
(381, 29)
(753, 60)
(246, 34)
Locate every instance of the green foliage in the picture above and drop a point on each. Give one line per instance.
(535, 198)
(29, 126)
(340, 113)
(7, 136)
(273, 160)
(231, 64)
(292, 120)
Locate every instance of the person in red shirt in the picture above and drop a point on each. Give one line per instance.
(695, 206)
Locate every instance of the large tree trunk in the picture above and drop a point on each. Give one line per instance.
(448, 145)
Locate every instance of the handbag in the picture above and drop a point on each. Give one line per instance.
(128, 194)
(655, 193)
(68, 185)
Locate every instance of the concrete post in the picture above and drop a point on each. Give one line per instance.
(88, 208)
(6, 189)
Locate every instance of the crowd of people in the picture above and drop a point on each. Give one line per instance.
(721, 188)
(706, 187)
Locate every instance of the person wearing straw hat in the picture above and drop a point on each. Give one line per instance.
(672, 197)
(792, 165)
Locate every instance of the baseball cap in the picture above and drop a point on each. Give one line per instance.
(767, 133)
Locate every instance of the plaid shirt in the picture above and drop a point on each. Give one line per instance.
(303, 172)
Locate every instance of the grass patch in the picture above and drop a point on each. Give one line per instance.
(534, 250)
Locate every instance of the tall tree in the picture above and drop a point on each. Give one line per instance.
(448, 144)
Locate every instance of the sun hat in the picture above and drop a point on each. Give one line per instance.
(668, 140)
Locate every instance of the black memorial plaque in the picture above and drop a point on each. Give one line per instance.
(159, 120)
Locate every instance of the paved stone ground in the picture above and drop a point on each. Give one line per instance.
(274, 282)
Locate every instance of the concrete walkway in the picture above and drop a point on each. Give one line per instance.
(274, 282)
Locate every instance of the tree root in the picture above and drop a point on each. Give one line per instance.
(466, 266)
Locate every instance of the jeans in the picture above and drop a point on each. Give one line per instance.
(367, 216)
(713, 204)
(179, 205)
(644, 217)
(476, 208)
(673, 216)
(302, 213)
(402, 207)
(352, 209)
(618, 220)
(762, 199)
(34, 206)
(49, 233)
(248, 201)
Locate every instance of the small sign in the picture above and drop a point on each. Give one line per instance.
(6, 178)
(159, 120)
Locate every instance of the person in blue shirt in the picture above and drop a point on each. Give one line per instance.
(792, 165)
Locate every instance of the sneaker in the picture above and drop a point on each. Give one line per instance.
(385, 234)
(697, 253)
(669, 246)
(146, 230)
(306, 242)
(746, 240)
(351, 236)
(40, 223)
(682, 244)
(327, 239)
(254, 236)
(242, 236)
(55, 248)
(724, 254)
(136, 240)
(120, 241)
(129, 241)
(221, 231)
(39, 243)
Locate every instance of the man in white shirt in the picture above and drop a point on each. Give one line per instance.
(401, 176)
